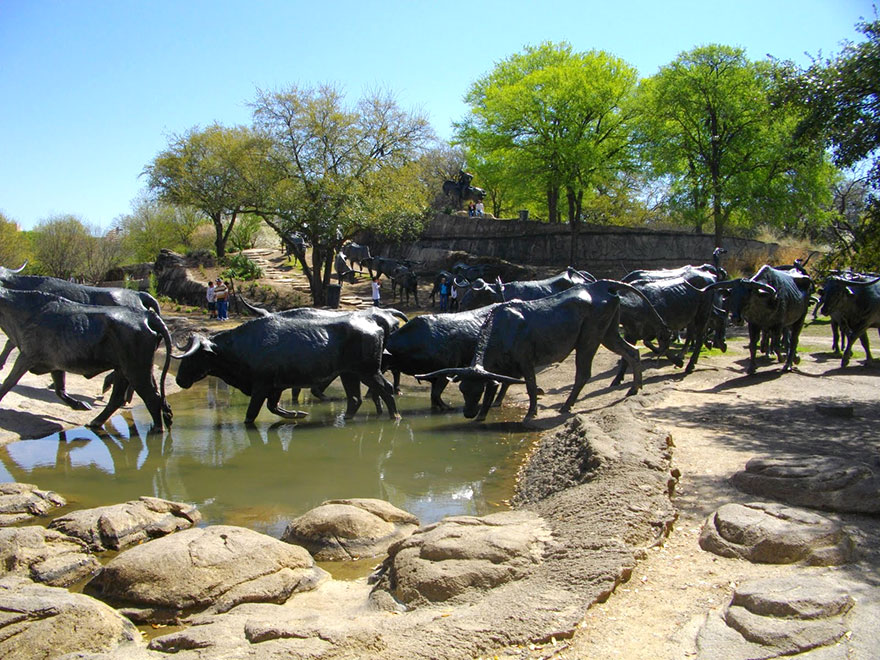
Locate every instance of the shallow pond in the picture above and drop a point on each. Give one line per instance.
(431, 465)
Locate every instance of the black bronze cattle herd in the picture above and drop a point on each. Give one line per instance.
(502, 335)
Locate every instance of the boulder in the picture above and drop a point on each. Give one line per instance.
(120, 525)
(47, 622)
(44, 555)
(213, 568)
(350, 529)
(19, 502)
(775, 534)
(458, 554)
(819, 482)
(779, 617)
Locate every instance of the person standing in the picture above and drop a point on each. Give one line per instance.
(453, 298)
(212, 300)
(480, 208)
(375, 287)
(221, 292)
(444, 294)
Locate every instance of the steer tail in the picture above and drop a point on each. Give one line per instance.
(158, 325)
(617, 287)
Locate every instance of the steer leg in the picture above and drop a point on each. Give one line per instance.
(272, 400)
(115, 402)
(258, 396)
(6, 351)
(502, 392)
(142, 382)
(437, 387)
(385, 390)
(583, 361)
(352, 386)
(793, 336)
(58, 380)
(617, 344)
(488, 398)
(754, 336)
(19, 368)
(532, 389)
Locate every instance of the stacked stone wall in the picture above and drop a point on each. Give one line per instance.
(605, 251)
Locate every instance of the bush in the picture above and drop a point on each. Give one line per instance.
(242, 268)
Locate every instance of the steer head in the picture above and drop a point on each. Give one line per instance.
(473, 383)
(744, 294)
(195, 362)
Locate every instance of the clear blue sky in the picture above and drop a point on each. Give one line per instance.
(90, 91)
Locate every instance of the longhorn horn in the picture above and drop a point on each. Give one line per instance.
(195, 342)
(857, 282)
(20, 268)
(259, 311)
(723, 285)
(762, 286)
(469, 373)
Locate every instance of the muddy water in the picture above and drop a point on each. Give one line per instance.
(432, 465)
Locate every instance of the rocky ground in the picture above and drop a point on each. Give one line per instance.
(717, 419)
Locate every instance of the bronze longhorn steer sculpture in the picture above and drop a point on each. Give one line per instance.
(520, 337)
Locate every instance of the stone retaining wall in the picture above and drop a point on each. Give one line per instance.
(605, 251)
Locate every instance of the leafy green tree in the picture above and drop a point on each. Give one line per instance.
(154, 225)
(208, 170)
(102, 252)
(245, 233)
(334, 170)
(14, 245)
(558, 119)
(60, 245)
(841, 100)
(729, 153)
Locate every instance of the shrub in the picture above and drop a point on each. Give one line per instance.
(242, 268)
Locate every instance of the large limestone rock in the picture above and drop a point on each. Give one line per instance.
(350, 529)
(19, 502)
(37, 621)
(215, 567)
(780, 617)
(120, 525)
(775, 534)
(446, 559)
(44, 555)
(820, 482)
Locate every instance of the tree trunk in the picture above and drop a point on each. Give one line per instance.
(553, 204)
(219, 239)
(316, 281)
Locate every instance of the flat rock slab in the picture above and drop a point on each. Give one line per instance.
(37, 621)
(46, 556)
(118, 526)
(214, 567)
(20, 502)
(780, 617)
(819, 482)
(446, 559)
(775, 534)
(350, 529)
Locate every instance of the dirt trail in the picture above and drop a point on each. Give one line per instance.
(719, 419)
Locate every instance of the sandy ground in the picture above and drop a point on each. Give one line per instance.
(719, 418)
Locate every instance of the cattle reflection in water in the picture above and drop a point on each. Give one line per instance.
(260, 477)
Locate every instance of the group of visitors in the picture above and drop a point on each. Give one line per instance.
(476, 210)
(218, 300)
(448, 296)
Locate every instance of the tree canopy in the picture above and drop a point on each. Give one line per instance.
(553, 119)
(709, 125)
(209, 169)
(841, 101)
(333, 170)
(14, 245)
